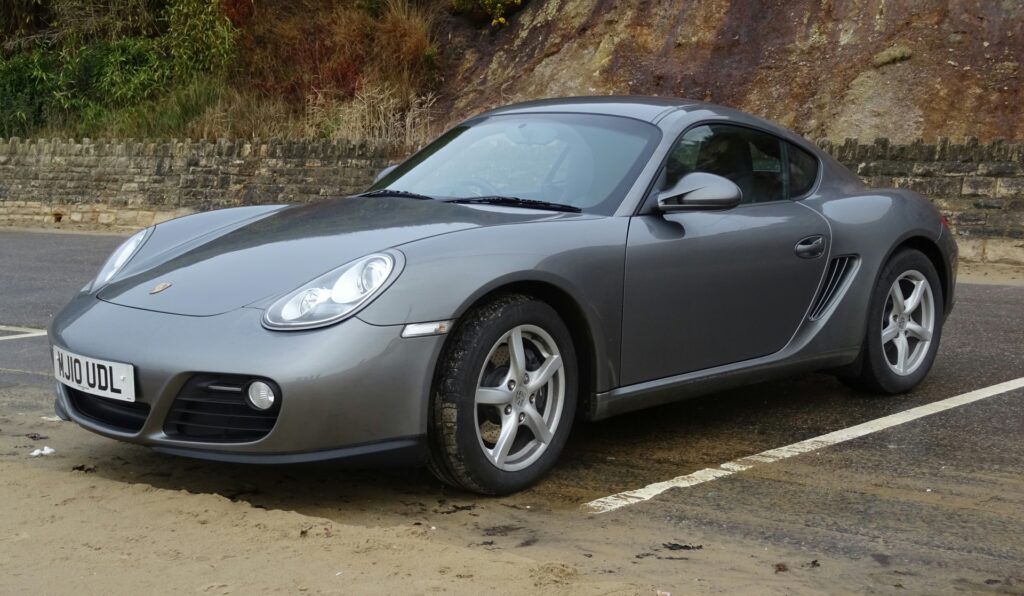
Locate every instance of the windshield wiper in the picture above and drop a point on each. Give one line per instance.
(517, 202)
(391, 192)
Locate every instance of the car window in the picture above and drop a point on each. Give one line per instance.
(588, 161)
(523, 171)
(751, 159)
(803, 171)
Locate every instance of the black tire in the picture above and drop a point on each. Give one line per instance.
(872, 373)
(457, 455)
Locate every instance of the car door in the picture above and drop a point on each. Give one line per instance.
(709, 288)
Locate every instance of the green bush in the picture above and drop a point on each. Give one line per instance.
(127, 72)
(110, 66)
(199, 38)
(168, 115)
(27, 85)
(77, 87)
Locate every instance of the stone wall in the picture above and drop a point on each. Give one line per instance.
(124, 185)
(978, 187)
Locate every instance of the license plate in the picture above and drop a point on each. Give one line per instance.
(113, 380)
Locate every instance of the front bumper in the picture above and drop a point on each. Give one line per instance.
(349, 391)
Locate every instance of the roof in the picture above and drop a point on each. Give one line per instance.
(642, 108)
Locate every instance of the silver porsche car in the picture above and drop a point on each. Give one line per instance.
(535, 266)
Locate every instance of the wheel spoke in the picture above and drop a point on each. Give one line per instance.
(902, 353)
(914, 300)
(535, 422)
(899, 303)
(540, 377)
(919, 331)
(509, 428)
(890, 333)
(516, 353)
(493, 396)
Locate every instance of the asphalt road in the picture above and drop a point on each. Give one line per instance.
(932, 505)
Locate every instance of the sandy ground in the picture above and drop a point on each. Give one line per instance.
(72, 532)
(990, 273)
(104, 518)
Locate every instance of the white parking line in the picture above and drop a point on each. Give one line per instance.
(613, 502)
(20, 332)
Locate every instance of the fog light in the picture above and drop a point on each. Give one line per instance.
(261, 395)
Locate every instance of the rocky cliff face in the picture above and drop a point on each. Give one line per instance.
(901, 69)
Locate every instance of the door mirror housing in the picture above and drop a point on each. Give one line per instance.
(384, 172)
(700, 190)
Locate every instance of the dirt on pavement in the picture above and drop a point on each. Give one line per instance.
(101, 517)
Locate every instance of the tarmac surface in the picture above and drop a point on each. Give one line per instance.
(933, 505)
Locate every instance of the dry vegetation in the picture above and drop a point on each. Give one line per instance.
(316, 69)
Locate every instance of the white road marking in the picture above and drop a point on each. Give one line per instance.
(23, 335)
(14, 329)
(21, 332)
(613, 502)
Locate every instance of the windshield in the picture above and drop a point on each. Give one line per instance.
(587, 161)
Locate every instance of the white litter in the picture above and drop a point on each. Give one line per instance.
(44, 451)
(51, 418)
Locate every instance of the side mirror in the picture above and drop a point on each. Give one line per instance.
(384, 172)
(700, 190)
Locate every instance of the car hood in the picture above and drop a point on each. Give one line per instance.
(257, 259)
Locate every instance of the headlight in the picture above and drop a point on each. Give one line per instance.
(333, 296)
(120, 258)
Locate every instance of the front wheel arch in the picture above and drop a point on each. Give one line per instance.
(460, 457)
(572, 315)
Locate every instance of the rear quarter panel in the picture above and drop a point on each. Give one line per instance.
(871, 224)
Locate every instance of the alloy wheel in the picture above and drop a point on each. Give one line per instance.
(908, 322)
(519, 398)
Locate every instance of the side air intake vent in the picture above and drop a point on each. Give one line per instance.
(839, 269)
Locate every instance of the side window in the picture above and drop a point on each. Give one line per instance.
(751, 159)
(803, 171)
(769, 180)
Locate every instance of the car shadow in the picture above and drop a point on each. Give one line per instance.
(603, 457)
(600, 458)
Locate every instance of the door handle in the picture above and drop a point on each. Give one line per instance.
(810, 247)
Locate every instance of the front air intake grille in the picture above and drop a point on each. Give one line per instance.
(124, 416)
(214, 408)
(839, 270)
